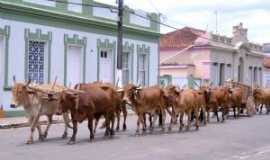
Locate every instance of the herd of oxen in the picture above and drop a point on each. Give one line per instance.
(92, 101)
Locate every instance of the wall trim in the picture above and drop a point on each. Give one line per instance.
(75, 40)
(41, 37)
(63, 14)
(106, 45)
(5, 32)
(129, 48)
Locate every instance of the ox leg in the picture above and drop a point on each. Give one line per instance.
(188, 121)
(40, 135)
(261, 107)
(140, 120)
(173, 120)
(107, 124)
(75, 129)
(155, 117)
(181, 122)
(234, 112)
(160, 117)
(150, 122)
(48, 126)
(118, 113)
(197, 116)
(216, 113)
(205, 115)
(66, 121)
(163, 114)
(96, 123)
(125, 117)
(90, 127)
(33, 125)
(112, 119)
(223, 111)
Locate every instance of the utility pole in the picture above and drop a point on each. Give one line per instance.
(119, 43)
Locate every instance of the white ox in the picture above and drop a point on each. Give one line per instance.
(36, 104)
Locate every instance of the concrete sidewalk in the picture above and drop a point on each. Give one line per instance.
(16, 122)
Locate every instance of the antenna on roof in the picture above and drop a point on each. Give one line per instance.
(216, 14)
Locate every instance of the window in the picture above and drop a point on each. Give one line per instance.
(36, 62)
(74, 7)
(250, 75)
(103, 54)
(255, 76)
(142, 69)
(126, 68)
(42, 2)
(221, 74)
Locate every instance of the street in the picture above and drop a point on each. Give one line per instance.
(244, 138)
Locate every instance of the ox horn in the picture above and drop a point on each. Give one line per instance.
(28, 82)
(73, 91)
(120, 90)
(54, 83)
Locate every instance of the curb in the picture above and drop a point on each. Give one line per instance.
(26, 124)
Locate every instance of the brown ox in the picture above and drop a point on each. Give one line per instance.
(217, 99)
(116, 98)
(91, 104)
(262, 97)
(35, 106)
(145, 101)
(184, 102)
(236, 100)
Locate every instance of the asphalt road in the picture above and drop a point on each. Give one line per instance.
(241, 139)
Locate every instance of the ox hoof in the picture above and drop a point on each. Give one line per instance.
(71, 142)
(163, 129)
(91, 139)
(41, 137)
(29, 142)
(45, 135)
(117, 129)
(64, 136)
(169, 129)
(124, 127)
(112, 133)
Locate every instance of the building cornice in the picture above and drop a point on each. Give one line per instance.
(109, 25)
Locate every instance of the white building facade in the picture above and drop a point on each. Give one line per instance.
(41, 40)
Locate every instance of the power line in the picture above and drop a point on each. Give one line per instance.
(114, 10)
(154, 6)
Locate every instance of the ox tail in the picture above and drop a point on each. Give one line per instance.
(67, 120)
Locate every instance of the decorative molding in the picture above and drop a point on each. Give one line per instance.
(75, 40)
(60, 11)
(143, 50)
(5, 32)
(108, 46)
(37, 36)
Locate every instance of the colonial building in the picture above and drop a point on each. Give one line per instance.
(189, 55)
(42, 39)
(266, 65)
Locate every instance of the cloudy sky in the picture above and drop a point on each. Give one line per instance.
(255, 15)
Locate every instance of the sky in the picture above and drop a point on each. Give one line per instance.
(201, 14)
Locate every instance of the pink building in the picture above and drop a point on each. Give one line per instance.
(190, 55)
